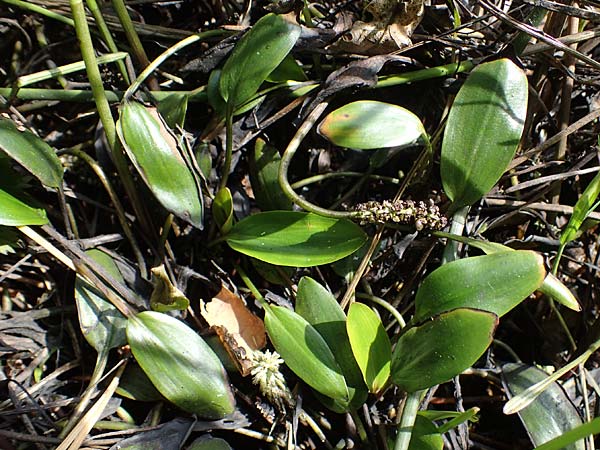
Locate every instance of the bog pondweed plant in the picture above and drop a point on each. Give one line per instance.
(343, 353)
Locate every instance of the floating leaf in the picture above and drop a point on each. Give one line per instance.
(15, 213)
(255, 56)
(31, 152)
(495, 283)
(180, 364)
(549, 415)
(102, 325)
(155, 152)
(441, 348)
(320, 308)
(294, 238)
(483, 130)
(305, 352)
(264, 170)
(368, 124)
(165, 295)
(370, 345)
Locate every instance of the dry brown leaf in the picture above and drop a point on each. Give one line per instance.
(240, 331)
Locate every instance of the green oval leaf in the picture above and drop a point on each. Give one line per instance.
(32, 153)
(102, 325)
(15, 213)
(255, 56)
(320, 308)
(294, 238)
(551, 414)
(173, 109)
(441, 348)
(370, 344)
(496, 283)
(368, 124)
(483, 130)
(305, 352)
(155, 152)
(180, 364)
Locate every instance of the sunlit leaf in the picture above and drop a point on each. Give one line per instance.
(495, 283)
(305, 352)
(441, 348)
(370, 345)
(255, 56)
(31, 152)
(15, 213)
(155, 152)
(294, 238)
(320, 308)
(483, 130)
(368, 124)
(180, 364)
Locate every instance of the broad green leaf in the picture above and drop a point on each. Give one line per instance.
(294, 238)
(370, 345)
(102, 325)
(165, 295)
(305, 352)
(173, 109)
(15, 213)
(425, 435)
(495, 283)
(255, 56)
(320, 308)
(441, 348)
(483, 130)
(222, 209)
(155, 153)
(549, 415)
(368, 124)
(264, 170)
(581, 210)
(571, 436)
(273, 274)
(180, 364)
(31, 152)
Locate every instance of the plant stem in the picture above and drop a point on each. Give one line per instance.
(132, 36)
(82, 96)
(106, 36)
(87, 51)
(459, 219)
(407, 420)
(28, 6)
(286, 159)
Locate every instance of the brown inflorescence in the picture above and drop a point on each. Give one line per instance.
(423, 216)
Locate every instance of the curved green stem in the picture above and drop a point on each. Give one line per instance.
(151, 67)
(286, 159)
(389, 308)
(108, 123)
(325, 176)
